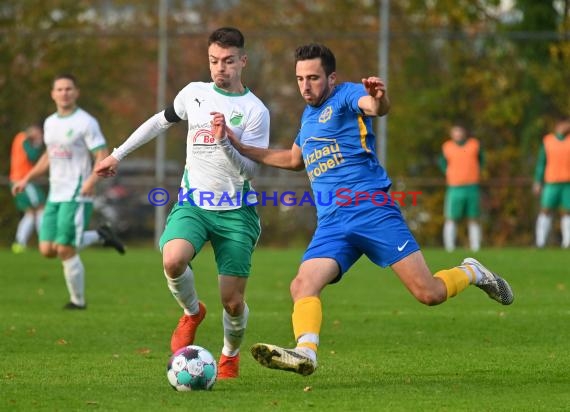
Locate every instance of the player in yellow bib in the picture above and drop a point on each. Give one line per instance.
(461, 161)
(552, 182)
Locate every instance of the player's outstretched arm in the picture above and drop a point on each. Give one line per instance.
(376, 103)
(290, 159)
(88, 188)
(143, 134)
(106, 167)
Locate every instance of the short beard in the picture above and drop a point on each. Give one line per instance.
(222, 84)
(326, 93)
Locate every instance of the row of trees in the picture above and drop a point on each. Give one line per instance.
(502, 73)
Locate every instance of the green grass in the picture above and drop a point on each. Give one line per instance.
(380, 349)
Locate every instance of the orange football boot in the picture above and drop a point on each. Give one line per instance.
(228, 367)
(185, 332)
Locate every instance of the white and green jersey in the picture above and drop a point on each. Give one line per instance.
(69, 141)
(214, 181)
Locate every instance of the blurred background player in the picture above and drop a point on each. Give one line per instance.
(27, 147)
(552, 182)
(461, 160)
(73, 139)
(214, 169)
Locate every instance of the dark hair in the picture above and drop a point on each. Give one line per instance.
(67, 76)
(317, 51)
(227, 37)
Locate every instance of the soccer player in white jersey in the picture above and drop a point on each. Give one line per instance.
(73, 140)
(212, 206)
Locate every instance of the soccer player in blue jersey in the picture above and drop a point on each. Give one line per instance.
(335, 145)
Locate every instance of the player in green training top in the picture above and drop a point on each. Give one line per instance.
(211, 207)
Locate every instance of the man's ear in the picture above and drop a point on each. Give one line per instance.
(332, 78)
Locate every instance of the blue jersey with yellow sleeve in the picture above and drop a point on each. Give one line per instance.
(338, 148)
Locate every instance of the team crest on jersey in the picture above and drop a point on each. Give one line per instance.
(325, 115)
(236, 118)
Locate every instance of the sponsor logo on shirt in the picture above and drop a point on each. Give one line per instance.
(60, 152)
(204, 145)
(194, 126)
(322, 159)
(203, 137)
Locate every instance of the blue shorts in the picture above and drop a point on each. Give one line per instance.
(379, 232)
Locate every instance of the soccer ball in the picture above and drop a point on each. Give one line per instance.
(191, 368)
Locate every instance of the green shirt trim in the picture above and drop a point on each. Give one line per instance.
(226, 93)
(97, 148)
(68, 115)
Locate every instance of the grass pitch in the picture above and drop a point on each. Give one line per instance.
(380, 349)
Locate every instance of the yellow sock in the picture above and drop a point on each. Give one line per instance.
(307, 319)
(455, 280)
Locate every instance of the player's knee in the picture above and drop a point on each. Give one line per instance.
(65, 252)
(301, 287)
(297, 286)
(48, 251)
(174, 266)
(233, 307)
(429, 296)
